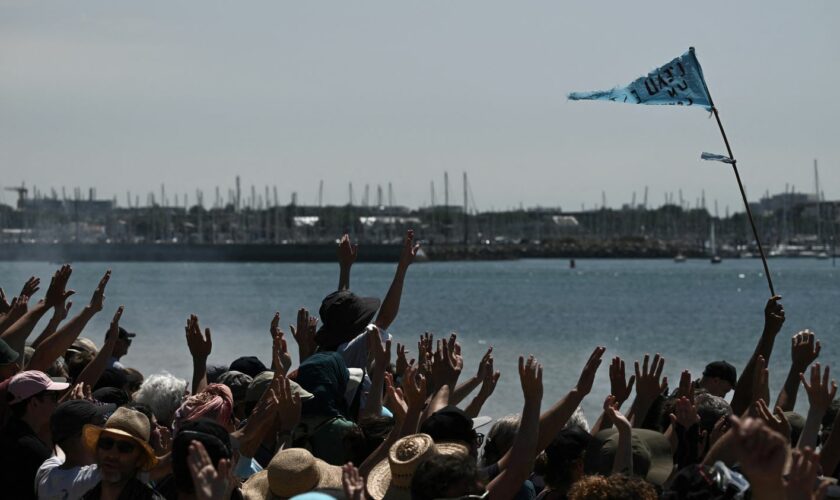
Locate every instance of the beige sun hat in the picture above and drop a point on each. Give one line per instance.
(127, 423)
(391, 478)
(291, 472)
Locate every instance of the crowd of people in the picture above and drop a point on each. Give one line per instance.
(364, 415)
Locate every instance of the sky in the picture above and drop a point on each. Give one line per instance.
(126, 96)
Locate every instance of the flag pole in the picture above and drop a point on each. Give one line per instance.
(743, 195)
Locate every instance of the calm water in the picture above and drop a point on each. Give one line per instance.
(692, 313)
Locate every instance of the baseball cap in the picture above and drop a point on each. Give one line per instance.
(237, 382)
(26, 384)
(7, 354)
(125, 334)
(262, 382)
(70, 416)
(721, 370)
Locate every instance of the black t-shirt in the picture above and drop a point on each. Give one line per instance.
(22, 453)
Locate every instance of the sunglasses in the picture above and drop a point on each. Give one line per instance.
(123, 446)
(479, 438)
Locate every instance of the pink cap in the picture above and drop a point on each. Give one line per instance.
(29, 383)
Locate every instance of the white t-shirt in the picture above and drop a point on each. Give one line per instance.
(54, 483)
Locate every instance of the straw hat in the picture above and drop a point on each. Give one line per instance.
(391, 478)
(291, 472)
(126, 423)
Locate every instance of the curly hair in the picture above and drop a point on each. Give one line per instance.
(615, 487)
(163, 393)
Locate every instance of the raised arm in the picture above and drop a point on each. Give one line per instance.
(774, 318)
(280, 358)
(391, 305)
(620, 387)
(90, 375)
(623, 460)
(304, 334)
(650, 384)
(804, 350)
(17, 334)
(60, 313)
(379, 357)
(488, 385)
(347, 253)
(466, 387)
(820, 395)
(200, 348)
(526, 443)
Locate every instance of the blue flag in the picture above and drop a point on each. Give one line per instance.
(680, 82)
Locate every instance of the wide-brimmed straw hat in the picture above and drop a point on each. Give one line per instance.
(652, 458)
(125, 423)
(291, 472)
(391, 478)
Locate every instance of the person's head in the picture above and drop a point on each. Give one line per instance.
(67, 422)
(134, 379)
(362, 439)
(565, 458)
(261, 383)
(214, 402)
(291, 472)
(123, 343)
(112, 377)
(616, 486)
(163, 393)
(446, 476)
(77, 362)
(216, 441)
(499, 439)
(719, 378)
(33, 396)
(451, 424)
(238, 384)
(58, 369)
(121, 446)
(711, 408)
(828, 420)
(249, 365)
(9, 365)
(112, 395)
(344, 315)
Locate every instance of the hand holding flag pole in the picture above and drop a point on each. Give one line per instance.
(681, 83)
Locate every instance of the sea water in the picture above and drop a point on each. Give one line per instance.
(692, 313)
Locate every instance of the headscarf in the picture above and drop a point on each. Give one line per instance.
(325, 376)
(214, 402)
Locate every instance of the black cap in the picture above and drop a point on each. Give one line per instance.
(237, 382)
(125, 334)
(249, 365)
(70, 416)
(112, 377)
(568, 446)
(112, 395)
(721, 370)
(214, 372)
(344, 315)
(449, 424)
(7, 354)
(213, 436)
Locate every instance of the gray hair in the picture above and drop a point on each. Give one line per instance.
(500, 439)
(711, 408)
(578, 419)
(163, 393)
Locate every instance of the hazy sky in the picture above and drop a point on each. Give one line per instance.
(129, 95)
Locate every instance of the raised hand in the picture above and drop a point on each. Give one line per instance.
(530, 377)
(114, 330)
(97, 301)
(488, 383)
(402, 360)
(686, 388)
(414, 388)
(200, 346)
(352, 482)
(485, 366)
(378, 354)
(394, 398)
(31, 286)
(761, 378)
(587, 376)
(804, 350)
(802, 476)
(820, 393)
(685, 413)
(289, 405)
(281, 359)
(620, 387)
(649, 380)
(612, 412)
(4, 304)
(409, 250)
(210, 483)
(762, 454)
(304, 334)
(347, 252)
(56, 293)
(774, 315)
(776, 420)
